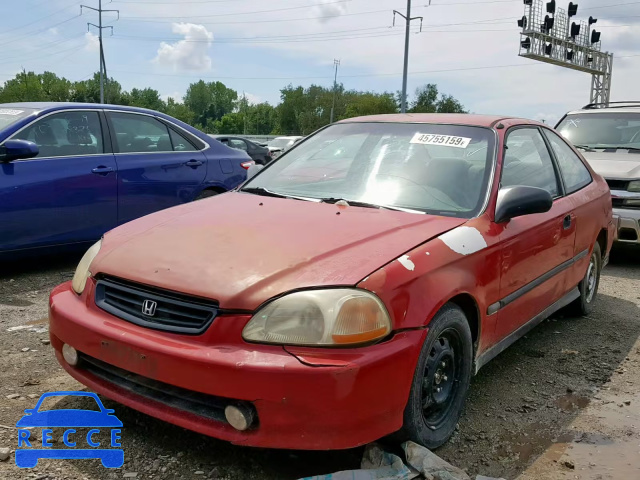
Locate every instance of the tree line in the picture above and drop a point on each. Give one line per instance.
(215, 108)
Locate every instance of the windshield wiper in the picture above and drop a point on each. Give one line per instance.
(586, 148)
(268, 193)
(357, 203)
(263, 191)
(623, 147)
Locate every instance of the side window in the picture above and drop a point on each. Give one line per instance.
(180, 144)
(574, 172)
(65, 134)
(527, 162)
(237, 143)
(140, 133)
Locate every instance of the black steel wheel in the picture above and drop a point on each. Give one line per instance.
(588, 287)
(441, 380)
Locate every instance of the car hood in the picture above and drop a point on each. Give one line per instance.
(242, 249)
(615, 165)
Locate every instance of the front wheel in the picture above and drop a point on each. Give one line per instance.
(588, 287)
(441, 380)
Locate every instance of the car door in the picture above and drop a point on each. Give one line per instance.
(240, 144)
(587, 203)
(536, 250)
(68, 192)
(158, 165)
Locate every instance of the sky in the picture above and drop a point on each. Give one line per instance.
(469, 48)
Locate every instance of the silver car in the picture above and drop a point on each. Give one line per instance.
(609, 137)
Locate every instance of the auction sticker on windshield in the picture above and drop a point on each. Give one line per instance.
(444, 140)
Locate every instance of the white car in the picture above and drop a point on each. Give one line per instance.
(279, 145)
(609, 138)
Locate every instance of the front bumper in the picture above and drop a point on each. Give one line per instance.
(627, 223)
(305, 398)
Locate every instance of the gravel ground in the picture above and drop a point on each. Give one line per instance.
(546, 408)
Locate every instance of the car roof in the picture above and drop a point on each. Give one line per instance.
(441, 118)
(53, 106)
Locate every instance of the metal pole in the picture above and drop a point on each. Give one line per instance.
(100, 37)
(335, 89)
(405, 71)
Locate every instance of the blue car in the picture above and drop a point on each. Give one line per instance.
(69, 172)
(27, 453)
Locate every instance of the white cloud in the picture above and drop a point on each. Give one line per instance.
(253, 99)
(92, 42)
(190, 54)
(329, 8)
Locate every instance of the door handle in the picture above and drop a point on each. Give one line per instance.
(102, 170)
(566, 223)
(193, 163)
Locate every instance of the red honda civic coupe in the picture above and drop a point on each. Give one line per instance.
(345, 292)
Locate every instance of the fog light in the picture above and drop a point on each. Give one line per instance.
(70, 355)
(239, 417)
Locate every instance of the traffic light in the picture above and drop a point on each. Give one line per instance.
(522, 23)
(548, 49)
(528, 2)
(595, 37)
(569, 55)
(551, 7)
(592, 20)
(575, 30)
(526, 43)
(547, 25)
(572, 10)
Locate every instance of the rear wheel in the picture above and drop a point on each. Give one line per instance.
(441, 380)
(589, 285)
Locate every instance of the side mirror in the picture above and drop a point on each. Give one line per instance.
(521, 200)
(253, 170)
(17, 149)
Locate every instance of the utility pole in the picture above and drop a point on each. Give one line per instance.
(103, 66)
(336, 63)
(408, 19)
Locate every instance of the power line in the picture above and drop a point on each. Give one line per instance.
(235, 14)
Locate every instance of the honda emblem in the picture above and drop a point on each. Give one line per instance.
(149, 308)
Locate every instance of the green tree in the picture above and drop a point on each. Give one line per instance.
(146, 98)
(211, 100)
(368, 103)
(89, 91)
(428, 101)
(180, 111)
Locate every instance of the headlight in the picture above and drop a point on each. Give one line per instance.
(82, 271)
(634, 186)
(331, 317)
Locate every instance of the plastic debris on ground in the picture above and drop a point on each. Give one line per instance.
(380, 465)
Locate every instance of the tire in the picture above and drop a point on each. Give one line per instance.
(441, 380)
(206, 194)
(588, 286)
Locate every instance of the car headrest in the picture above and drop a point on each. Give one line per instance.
(44, 134)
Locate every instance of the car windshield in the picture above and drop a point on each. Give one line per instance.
(280, 142)
(10, 115)
(602, 130)
(438, 169)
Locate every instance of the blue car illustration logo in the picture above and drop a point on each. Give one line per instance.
(29, 450)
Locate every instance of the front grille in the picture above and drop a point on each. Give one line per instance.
(200, 404)
(618, 184)
(155, 308)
